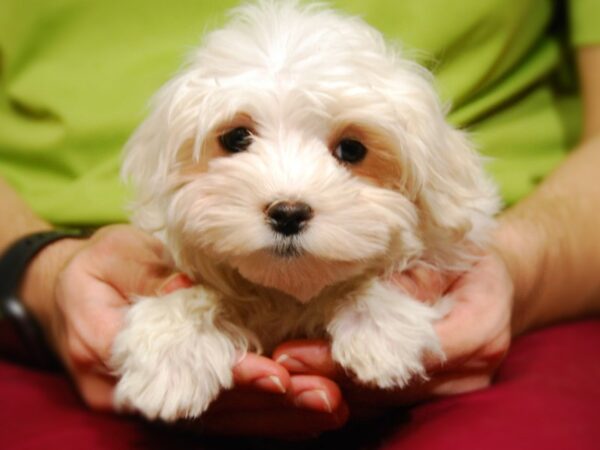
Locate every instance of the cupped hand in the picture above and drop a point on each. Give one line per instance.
(475, 336)
(268, 402)
(80, 289)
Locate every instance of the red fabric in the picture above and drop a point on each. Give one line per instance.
(547, 396)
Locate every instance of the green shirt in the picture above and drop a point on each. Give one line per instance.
(76, 76)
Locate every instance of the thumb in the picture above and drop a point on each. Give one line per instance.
(424, 283)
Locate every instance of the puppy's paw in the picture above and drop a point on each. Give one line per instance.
(378, 359)
(382, 337)
(171, 359)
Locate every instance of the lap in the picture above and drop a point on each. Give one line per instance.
(545, 396)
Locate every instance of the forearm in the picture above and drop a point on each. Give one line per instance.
(551, 242)
(19, 218)
(38, 278)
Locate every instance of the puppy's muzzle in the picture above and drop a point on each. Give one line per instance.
(288, 218)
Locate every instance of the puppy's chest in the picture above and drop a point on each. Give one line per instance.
(273, 322)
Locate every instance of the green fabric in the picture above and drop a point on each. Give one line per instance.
(76, 75)
(584, 21)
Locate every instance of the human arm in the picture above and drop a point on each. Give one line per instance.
(551, 240)
(22, 219)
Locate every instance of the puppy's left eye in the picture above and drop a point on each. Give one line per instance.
(236, 140)
(350, 151)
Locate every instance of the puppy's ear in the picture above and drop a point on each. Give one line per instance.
(458, 200)
(151, 153)
(455, 197)
(145, 170)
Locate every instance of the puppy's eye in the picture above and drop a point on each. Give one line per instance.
(236, 140)
(350, 151)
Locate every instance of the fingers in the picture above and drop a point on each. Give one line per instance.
(308, 357)
(308, 392)
(312, 405)
(477, 327)
(457, 377)
(315, 393)
(261, 373)
(257, 375)
(257, 406)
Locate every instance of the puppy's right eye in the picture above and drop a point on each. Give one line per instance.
(350, 151)
(236, 140)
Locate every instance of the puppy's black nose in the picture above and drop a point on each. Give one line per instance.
(288, 218)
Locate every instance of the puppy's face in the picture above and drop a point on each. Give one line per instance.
(290, 195)
(302, 155)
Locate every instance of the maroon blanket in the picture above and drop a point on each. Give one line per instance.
(547, 396)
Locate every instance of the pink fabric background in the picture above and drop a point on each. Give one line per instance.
(547, 396)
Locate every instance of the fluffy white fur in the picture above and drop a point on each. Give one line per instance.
(301, 78)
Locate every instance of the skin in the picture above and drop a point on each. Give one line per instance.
(79, 290)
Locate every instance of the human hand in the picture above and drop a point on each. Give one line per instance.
(256, 406)
(475, 336)
(79, 290)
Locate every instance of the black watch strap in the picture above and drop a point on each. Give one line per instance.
(19, 327)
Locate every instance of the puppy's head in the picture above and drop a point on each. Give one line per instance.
(297, 150)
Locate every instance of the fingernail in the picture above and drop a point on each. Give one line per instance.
(175, 282)
(270, 383)
(316, 400)
(291, 364)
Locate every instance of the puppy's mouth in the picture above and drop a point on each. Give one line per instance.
(287, 249)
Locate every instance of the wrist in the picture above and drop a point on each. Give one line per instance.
(37, 286)
(21, 320)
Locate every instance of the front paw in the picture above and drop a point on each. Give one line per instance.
(165, 392)
(379, 360)
(383, 337)
(171, 359)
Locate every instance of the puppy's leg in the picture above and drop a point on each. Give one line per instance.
(382, 334)
(172, 358)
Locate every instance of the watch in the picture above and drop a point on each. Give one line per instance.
(21, 337)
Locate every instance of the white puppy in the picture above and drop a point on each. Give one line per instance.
(290, 168)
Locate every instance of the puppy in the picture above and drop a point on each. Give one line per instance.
(291, 167)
